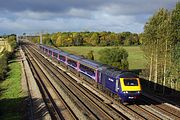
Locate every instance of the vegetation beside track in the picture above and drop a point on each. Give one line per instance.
(136, 56)
(11, 95)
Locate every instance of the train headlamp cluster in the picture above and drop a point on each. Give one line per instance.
(125, 91)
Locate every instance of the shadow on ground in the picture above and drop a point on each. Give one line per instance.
(148, 87)
(12, 108)
(19, 108)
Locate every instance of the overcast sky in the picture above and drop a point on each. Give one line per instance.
(31, 16)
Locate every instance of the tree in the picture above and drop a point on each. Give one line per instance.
(175, 49)
(103, 38)
(59, 41)
(117, 57)
(95, 39)
(77, 39)
(153, 37)
(54, 37)
(12, 41)
(47, 39)
(160, 43)
(3, 66)
(135, 39)
(90, 55)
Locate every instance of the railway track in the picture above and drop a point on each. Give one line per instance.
(143, 112)
(137, 115)
(94, 102)
(152, 109)
(57, 107)
(162, 109)
(92, 96)
(92, 107)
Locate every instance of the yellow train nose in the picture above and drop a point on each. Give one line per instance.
(130, 84)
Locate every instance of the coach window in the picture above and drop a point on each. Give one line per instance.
(62, 58)
(50, 52)
(55, 54)
(88, 70)
(72, 62)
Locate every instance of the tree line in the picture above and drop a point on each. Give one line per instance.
(61, 39)
(161, 45)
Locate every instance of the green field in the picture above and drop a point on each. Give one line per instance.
(11, 95)
(136, 57)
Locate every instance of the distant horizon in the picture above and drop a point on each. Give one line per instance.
(62, 32)
(66, 16)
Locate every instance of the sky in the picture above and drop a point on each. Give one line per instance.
(33, 16)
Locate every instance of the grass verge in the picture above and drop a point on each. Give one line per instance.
(11, 94)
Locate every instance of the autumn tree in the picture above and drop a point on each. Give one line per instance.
(77, 39)
(95, 39)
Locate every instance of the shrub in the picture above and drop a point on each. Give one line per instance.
(116, 57)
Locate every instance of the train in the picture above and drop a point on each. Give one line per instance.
(121, 83)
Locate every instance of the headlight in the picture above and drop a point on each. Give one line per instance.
(125, 91)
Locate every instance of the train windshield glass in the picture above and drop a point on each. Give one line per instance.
(130, 82)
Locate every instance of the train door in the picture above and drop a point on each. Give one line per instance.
(99, 81)
(117, 85)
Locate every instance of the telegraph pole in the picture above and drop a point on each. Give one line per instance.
(41, 38)
(17, 39)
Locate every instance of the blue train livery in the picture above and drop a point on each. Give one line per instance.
(122, 83)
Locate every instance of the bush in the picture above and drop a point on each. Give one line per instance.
(7, 55)
(3, 66)
(116, 57)
(90, 55)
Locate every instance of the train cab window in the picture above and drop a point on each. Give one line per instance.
(88, 70)
(62, 58)
(130, 82)
(71, 62)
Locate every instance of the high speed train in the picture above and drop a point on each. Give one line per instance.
(123, 84)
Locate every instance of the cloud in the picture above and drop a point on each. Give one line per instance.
(136, 7)
(78, 15)
(100, 22)
(111, 6)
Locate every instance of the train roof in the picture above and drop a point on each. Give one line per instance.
(128, 74)
(63, 53)
(71, 56)
(50, 48)
(115, 73)
(56, 51)
(91, 63)
(44, 46)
